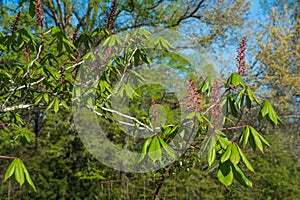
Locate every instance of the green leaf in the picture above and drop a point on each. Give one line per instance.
(56, 105)
(168, 149)
(233, 108)
(235, 156)
(245, 160)
(240, 176)
(27, 176)
(191, 115)
(38, 99)
(130, 91)
(46, 97)
(246, 134)
(268, 111)
(256, 139)
(146, 145)
(63, 102)
(224, 142)
(50, 105)
(68, 43)
(19, 173)
(250, 97)
(251, 141)
(235, 80)
(10, 170)
(265, 106)
(227, 153)
(19, 119)
(211, 156)
(154, 151)
(206, 85)
(225, 174)
(263, 140)
(248, 102)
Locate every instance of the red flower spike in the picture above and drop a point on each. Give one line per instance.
(39, 12)
(241, 56)
(193, 98)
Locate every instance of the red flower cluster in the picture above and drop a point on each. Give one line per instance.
(216, 99)
(110, 20)
(74, 37)
(39, 12)
(16, 23)
(193, 98)
(241, 56)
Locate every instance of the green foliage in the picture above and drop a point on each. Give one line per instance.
(38, 74)
(18, 168)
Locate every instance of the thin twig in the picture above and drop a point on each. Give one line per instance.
(76, 64)
(27, 85)
(36, 58)
(8, 157)
(22, 106)
(128, 117)
(122, 122)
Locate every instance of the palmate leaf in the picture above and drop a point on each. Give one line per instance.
(266, 110)
(227, 171)
(255, 139)
(235, 80)
(18, 168)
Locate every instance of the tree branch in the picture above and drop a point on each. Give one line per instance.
(22, 106)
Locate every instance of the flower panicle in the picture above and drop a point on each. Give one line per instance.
(39, 12)
(216, 99)
(75, 34)
(241, 56)
(193, 98)
(110, 18)
(16, 23)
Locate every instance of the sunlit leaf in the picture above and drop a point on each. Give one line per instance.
(167, 148)
(235, 156)
(10, 170)
(245, 160)
(19, 172)
(240, 176)
(225, 174)
(154, 150)
(56, 105)
(227, 153)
